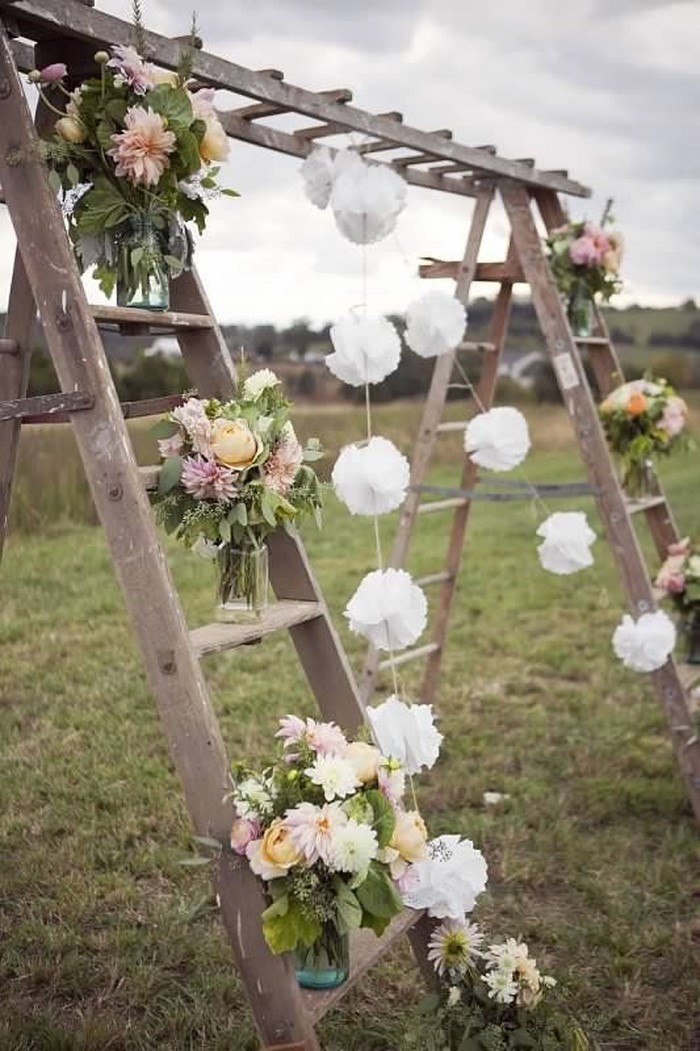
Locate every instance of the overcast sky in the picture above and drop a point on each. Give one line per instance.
(609, 89)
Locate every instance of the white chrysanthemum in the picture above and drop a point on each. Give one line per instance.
(567, 539)
(646, 644)
(354, 846)
(435, 324)
(258, 382)
(502, 988)
(449, 881)
(366, 202)
(336, 776)
(454, 946)
(498, 440)
(388, 609)
(406, 732)
(366, 350)
(371, 479)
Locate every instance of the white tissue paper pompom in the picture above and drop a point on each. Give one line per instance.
(498, 439)
(435, 324)
(371, 479)
(646, 644)
(366, 201)
(317, 172)
(566, 544)
(367, 350)
(406, 732)
(388, 609)
(449, 881)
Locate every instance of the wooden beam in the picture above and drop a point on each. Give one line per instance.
(498, 272)
(38, 17)
(320, 131)
(45, 405)
(268, 109)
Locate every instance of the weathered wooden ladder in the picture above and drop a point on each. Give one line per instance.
(526, 262)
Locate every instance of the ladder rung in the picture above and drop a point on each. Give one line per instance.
(127, 317)
(441, 505)
(592, 341)
(8, 346)
(131, 410)
(485, 348)
(451, 425)
(646, 504)
(365, 950)
(689, 674)
(433, 578)
(215, 638)
(45, 405)
(409, 655)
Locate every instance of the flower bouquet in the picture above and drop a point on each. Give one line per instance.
(585, 262)
(642, 419)
(232, 473)
(133, 157)
(679, 577)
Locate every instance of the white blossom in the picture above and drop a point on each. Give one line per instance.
(646, 644)
(449, 881)
(567, 539)
(388, 609)
(406, 732)
(366, 201)
(435, 324)
(498, 439)
(366, 350)
(259, 381)
(371, 479)
(354, 845)
(335, 775)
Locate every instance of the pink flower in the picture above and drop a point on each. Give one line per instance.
(676, 583)
(322, 738)
(674, 417)
(53, 73)
(312, 828)
(141, 152)
(391, 779)
(407, 881)
(197, 426)
(243, 832)
(132, 69)
(291, 730)
(681, 548)
(281, 469)
(203, 103)
(170, 446)
(206, 480)
(584, 252)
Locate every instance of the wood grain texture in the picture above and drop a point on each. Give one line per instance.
(217, 637)
(45, 405)
(156, 321)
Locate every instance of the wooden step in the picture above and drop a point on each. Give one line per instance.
(451, 426)
(409, 655)
(645, 504)
(592, 341)
(365, 950)
(433, 578)
(441, 505)
(45, 405)
(131, 410)
(215, 638)
(128, 319)
(482, 347)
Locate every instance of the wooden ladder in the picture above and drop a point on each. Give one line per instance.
(46, 280)
(527, 262)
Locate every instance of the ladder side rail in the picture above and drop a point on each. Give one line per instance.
(207, 359)
(581, 408)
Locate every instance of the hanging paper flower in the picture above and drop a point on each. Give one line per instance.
(449, 881)
(406, 732)
(388, 609)
(567, 539)
(498, 440)
(367, 350)
(435, 324)
(646, 644)
(366, 201)
(317, 173)
(371, 479)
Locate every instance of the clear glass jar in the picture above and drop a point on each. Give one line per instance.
(638, 479)
(142, 273)
(325, 964)
(242, 582)
(579, 310)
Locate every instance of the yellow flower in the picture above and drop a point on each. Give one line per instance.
(233, 443)
(164, 76)
(611, 261)
(214, 145)
(410, 836)
(277, 847)
(71, 130)
(364, 758)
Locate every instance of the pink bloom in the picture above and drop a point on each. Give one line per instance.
(291, 730)
(312, 828)
(584, 252)
(243, 832)
(131, 67)
(674, 417)
(281, 469)
(141, 152)
(681, 548)
(53, 73)
(322, 738)
(196, 424)
(203, 103)
(676, 583)
(391, 781)
(170, 446)
(206, 480)
(407, 881)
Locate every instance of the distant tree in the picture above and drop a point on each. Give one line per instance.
(689, 305)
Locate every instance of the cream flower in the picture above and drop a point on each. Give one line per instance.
(141, 152)
(274, 854)
(454, 946)
(214, 145)
(354, 846)
(259, 381)
(410, 836)
(233, 443)
(71, 130)
(313, 829)
(335, 775)
(365, 759)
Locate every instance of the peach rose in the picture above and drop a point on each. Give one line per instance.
(233, 443)
(364, 758)
(410, 836)
(636, 404)
(214, 145)
(71, 130)
(274, 854)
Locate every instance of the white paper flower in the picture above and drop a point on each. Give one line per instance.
(367, 350)
(366, 201)
(317, 173)
(406, 732)
(388, 609)
(498, 439)
(258, 382)
(566, 544)
(646, 644)
(449, 881)
(371, 479)
(435, 324)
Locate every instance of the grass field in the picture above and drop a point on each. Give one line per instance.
(107, 942)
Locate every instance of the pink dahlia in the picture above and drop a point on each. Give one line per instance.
(141, 152)
(203, 103)
(206, 480)
(131, 68)
(170, 446)
(584, 252)
(322, 738)
(312, 829)
(281, 469)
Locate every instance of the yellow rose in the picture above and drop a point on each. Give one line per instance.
(71, 130)
(233, 443)
(364, 759)
(215, 145)
(611, 261)
(277, 847)
(165, 76)
(410, 836)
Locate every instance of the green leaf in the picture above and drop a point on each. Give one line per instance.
(163, 429)
(196, 862)
(174, 263)
(225, 530)
(116, 109)
(349, 908)
(173, 104)
(55, 181)
(377, 894)
(377, 924)
(188, 153)
(279, 907)
(206, 841)
(267, 506)
(170, 474)
(104, 208)
(230, 193)
(73, 175)
(198, 128)
(384, 821)
(284, 932)
(104, 132)
(429, 1004)
(136, 255)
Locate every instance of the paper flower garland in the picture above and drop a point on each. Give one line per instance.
(388, 609)
(371, 479)
(367, 350)
(646, 644)
(320, 170)
(449, 881)
(498, 439)
(435, 324)
(406, 732)
(367, 200)
(567, 538)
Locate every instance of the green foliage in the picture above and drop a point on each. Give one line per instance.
(286, 925)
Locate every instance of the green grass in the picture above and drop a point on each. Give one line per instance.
(107, 942)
